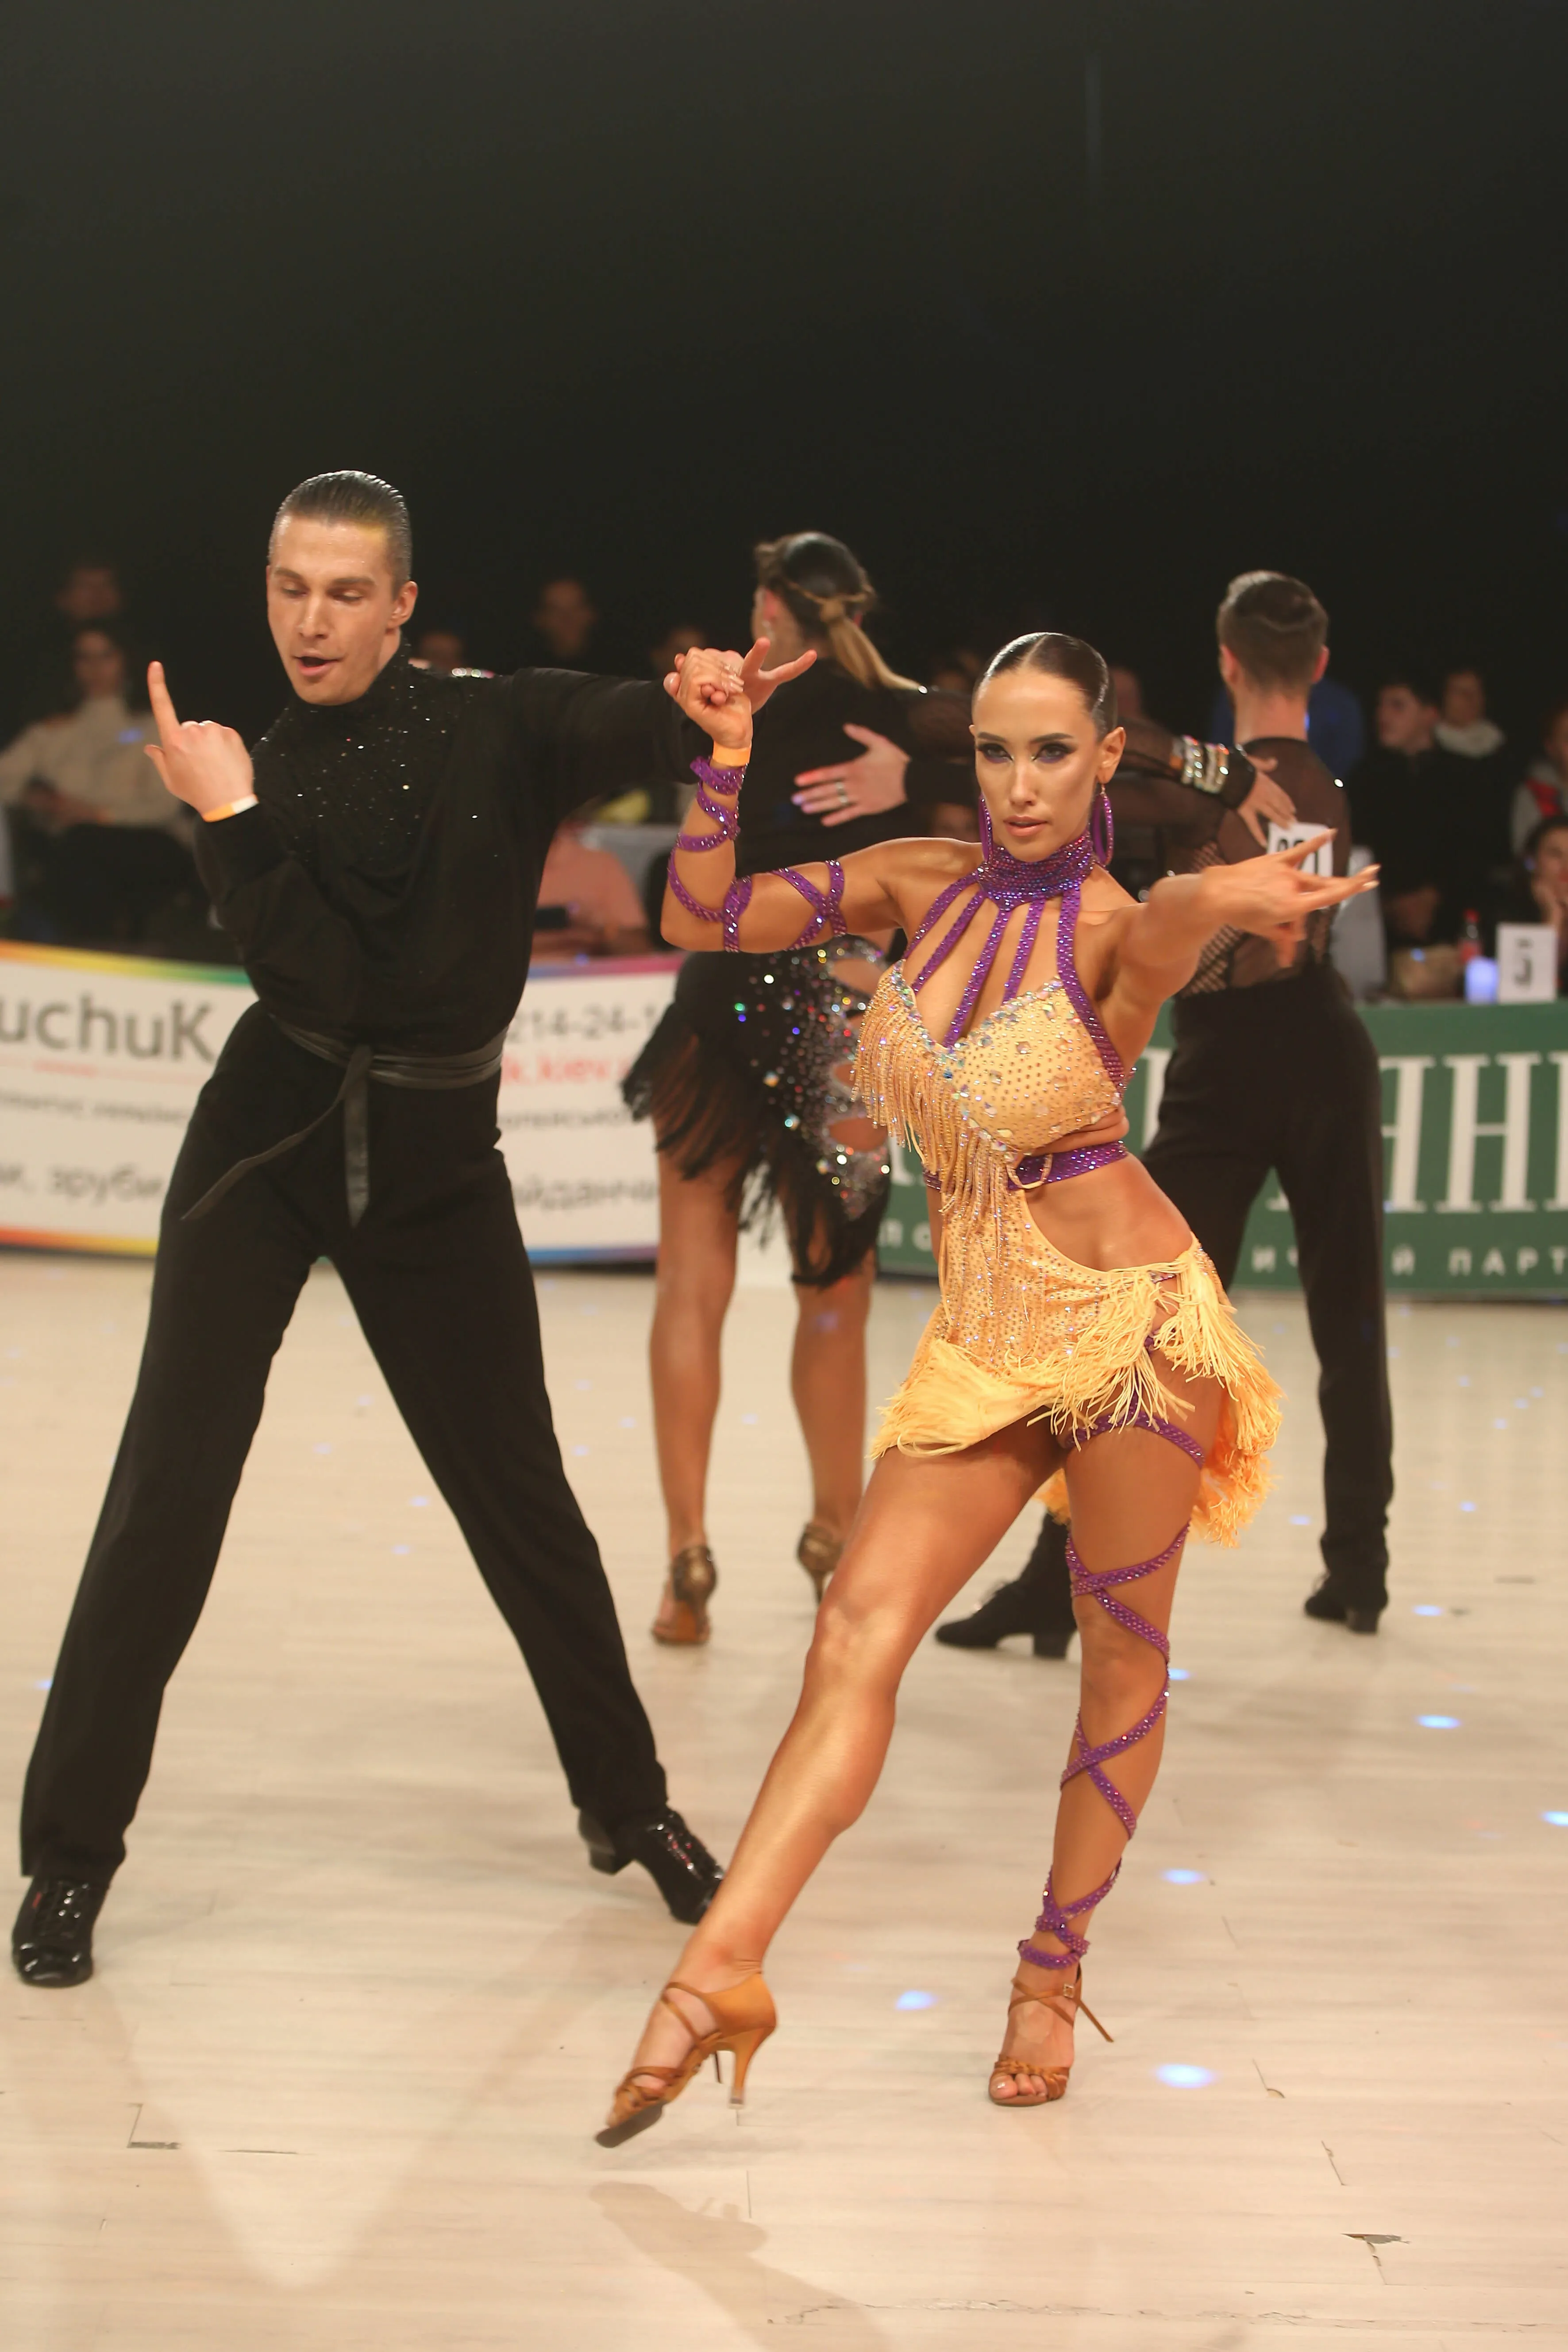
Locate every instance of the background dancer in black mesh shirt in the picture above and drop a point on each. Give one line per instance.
(1272, 1068)
(378, 864)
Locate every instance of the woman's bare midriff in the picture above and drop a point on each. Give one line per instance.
(1114, 1217)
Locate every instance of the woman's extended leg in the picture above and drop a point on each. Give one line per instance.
(1132, 1493)
(923, 1529)
(696, 1243)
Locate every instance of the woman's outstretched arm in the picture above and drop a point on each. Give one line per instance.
(1159, 942)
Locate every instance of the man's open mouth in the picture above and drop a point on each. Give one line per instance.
(314, 665)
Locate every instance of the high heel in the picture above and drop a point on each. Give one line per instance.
(1065, 2004)
(743, 2020)
(819, 1553)
(682, 1618)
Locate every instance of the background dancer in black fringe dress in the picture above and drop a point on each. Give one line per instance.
(746, 1076)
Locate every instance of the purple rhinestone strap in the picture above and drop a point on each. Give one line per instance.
(1139, 1419)
(828, 906)
(1056, 1167)
(1096, 1584)
(692, 906)
(1082, 1003)
(948, 941)
(1028, 935)
(979, 974)
(727, 781)
(737, 898)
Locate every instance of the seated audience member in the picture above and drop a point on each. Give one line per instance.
(442, 650)
(1544, 792)
(1436, 819)
(1539, 890)
(568, 631)
(39, 681)
(1462, 724)
(956, 671)
(677, 639)
(98, 843)
(588, 904)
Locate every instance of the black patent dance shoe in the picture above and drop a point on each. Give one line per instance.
(51, 1943)
(1010, 1609)
(674, 1857)
(1335, 1604)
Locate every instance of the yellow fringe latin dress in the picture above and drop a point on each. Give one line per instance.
(1022, 1332)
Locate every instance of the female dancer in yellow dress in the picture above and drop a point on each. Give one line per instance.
(1081, 1336)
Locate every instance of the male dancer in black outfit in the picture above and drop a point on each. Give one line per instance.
(378, 864)
(1272, 1068)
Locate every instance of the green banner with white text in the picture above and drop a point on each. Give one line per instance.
(1475, 1123)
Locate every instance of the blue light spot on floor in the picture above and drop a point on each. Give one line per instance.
(1467, 1506)
(1426, 1609)
(1438, 1722)
(48, 1684)
(418, 1502)
(579, 1451)
(1183, 1877)
(1558, 1821)
(1185, 2078)
(916, 2000)
(401, 1551)
(748, 1421)
(1180, 1674)
(1299, 1519)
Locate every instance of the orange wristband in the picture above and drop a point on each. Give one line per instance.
(229, 808)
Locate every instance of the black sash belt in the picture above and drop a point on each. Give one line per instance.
(433, 1073)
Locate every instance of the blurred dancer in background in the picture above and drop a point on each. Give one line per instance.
(746, 1077)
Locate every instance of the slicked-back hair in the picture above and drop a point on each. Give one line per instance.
(364, 499)
(1057, 655)
(1276, 628)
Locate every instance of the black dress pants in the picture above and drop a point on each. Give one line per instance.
(439, 1278)
(1284, 1076)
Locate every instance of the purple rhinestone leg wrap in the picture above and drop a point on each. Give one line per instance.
(1096, 1584)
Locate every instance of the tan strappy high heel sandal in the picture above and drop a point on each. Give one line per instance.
(743, 2019)
(1064, 2004)
(819, 1554)
(682, 1617)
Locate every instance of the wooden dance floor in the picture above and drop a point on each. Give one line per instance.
(360, 2004)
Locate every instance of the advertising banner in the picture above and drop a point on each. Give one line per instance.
(101, 1058)
(1475, 1108)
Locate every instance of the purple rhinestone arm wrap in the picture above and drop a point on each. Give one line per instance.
(828, 906)
(717, 791)
(737, 898)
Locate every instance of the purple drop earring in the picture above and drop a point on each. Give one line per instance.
(1103, 827)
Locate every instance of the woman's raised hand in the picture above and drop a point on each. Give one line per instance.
(722, 692)
(203, 764)
(1273, 897)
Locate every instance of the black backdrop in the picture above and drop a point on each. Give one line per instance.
(1058, 312)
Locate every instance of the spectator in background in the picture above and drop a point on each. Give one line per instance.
(98, 844)
(956, 671)
(1462, 724)
(567, 629)
(588, 904)
(1437, 819)
(1539, 890)
(1336, 727)
(1544, 792)
(1130, 691)
(43, 684)
(440, 650)
(679, 639)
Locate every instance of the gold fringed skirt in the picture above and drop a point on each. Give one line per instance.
(1094, 1339)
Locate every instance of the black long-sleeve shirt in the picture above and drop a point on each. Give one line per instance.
(802, 727)
(383, 890)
